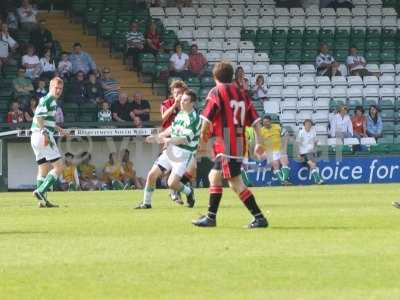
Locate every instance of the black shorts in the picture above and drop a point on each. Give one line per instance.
(44, 161)
(230, 167)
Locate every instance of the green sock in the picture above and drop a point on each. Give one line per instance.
(71, 187)
(285, 172)
(245, 178)
(117, 185)
(184, 189)
(148, 191)
(279, 174)
(50, 179)
(39, 181)
(315, 175)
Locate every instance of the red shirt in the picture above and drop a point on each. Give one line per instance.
(229, 110)
(358, 124)
(166, 104)
(155, 39)
(197, 62)
(14, 118)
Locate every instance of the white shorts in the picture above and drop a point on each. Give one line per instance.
(272, 156)
(175, 159)
(49, 153)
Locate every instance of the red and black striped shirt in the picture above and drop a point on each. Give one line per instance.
(166, 104)
(229, 110)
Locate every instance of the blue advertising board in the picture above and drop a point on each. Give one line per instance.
(345, 171)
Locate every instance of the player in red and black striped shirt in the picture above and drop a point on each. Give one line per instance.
(228, 110)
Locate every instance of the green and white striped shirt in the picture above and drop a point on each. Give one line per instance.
(187, 125)
(46, 109)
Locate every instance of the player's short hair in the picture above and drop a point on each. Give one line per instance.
(267, 117)
(69, 155)
(56, 80)
(77, 44)
(223, 72)
(178, 84)
(86, 154)
(308, 120)
(191, 94)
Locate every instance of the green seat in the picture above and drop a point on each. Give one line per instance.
(146, 57)
(294, 56)
(358, 33)
(341, 55)
(295, 34)
(88, 107)
(395, 147)
(118, 41)
(279, 34)
(379, 148)
(279, 44)
(147, 68)
(162, 58)
(78, 7)
(263, 34)
(342, 44)
(278, 56)
(387, 104)
(367, 103)
(309, 56)
(358, 43)
(334, 104)
(207, 82)
(388, 128)
(388, 56)
(70, 107)
(373, 56)
(92, 16)
(193, 82)
(311, 44)
(263, 45)
(294, 45)
(387, 115)
(353, 103)
(386, 139)
(248, 35)
(388, 44)
(310, 34)
(326, 34)
(373, 45)
(87, 117)
(70, 117)
(373, 34)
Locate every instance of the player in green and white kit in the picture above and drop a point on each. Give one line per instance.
(43, 143)
(182, 139)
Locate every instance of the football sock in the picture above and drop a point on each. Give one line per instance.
(215, 199)
(315, 175)
(39, 181)
(148, 192)
(245, 178)
(279, 174)
(185, 189)
(117, 185)
(285, 171)
(50, 179)
(186, 178)
(250, 202)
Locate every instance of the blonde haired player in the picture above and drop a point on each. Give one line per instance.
(43, 143)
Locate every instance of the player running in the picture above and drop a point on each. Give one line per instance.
(43, 143)
(227, 111)
(181, 140)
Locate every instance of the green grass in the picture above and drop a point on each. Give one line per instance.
(329, 242)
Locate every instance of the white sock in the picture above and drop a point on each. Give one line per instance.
(185, 189)
(148, 192)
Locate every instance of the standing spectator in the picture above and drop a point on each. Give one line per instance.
(121, 109)
(179, 63)
(41, 38)
(64, 66)
(197, 61)
(134, 44)
(27, 16)
(359, 122)
(23, 87)
(31, 63)
(240, 79)
(326, 64)
(9, 45)
(374, 122)
(140, 108)
(356, 64)
(48, 65)
(259, 90)
(15, 115)
(81, 61)
(341, 125)
(77, 88)
(171, 106)
(153, 43)
(94, 91)
(12, 22)
(110, 86)
(104, 115)
(30, 110)
(41, 91)
(87, 174)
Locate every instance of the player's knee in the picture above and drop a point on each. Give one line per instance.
(173, 183)
(311, 164)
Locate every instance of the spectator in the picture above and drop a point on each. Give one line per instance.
(137, 122)
(341, 125)
(27, 16)
(41, 91)
(134, 44)
(112, 172)
(356, 64)
(48, 65)
(110, 86)
(59, 116)
(87, 174)
(104, 115)
(374, 122)
(140, 108)
(326, 64)
(197, 61)
(15, 115)
(121, 109)
(64, 66)
(179, 63)
(41, 38)
(94, 91)
(240, 79)
(81, 61)
(23, 87)
(12, 22)
(259, 90)
(32, 63)
(359, 122)
(69, 180)
(153, 43)
(30, 110)
(171, 106)
(77, 88)
(8, 45)
(129, 174)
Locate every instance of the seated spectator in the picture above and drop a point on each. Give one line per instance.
(41, 91)
(326, 64)
(110, 86)
(104, 114)
(81, 61)
(359, 122)
(8, 46)
(259, 90)
(48, 65)
(41, 38)
(64, 67)
(121, 109)
(137, 122)
(341, 125)
(356, 64)
(12, 22)
(15, 115)
(27, 16)
(240, 79)
(77, 89)
(112, 173)
(69, 179)
(129, 177)
(31, 63)
(23, 87)
(153, 43)
(197, 62)
(30, 110)
(179, 63)
(134, 45)
(59, 115)
(140, 108)
(374, 122)
(87, 174)
(94, 91)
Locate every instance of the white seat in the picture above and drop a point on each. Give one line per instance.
(213, 57)
(374, 22)
(291, 128)
(230, 56)
(289, 104)
(246, 46)
(355, 93)
(217, 34)
(328, 12)
(171, 24)
(338, 81)
(235, 22)
(233, 34)
(339, 93)
(172, 12)
(323, 92)
(306, 81)
(275, 80)
(220, 11)
(389, 22)
(272, 107)
(200, 34)
(274, 92)
(185, 35)
(312, 11)
(297, 12)
(247, 67)
(374, 11)
(304, 115)
(328, 22)
(360, 3)
(202, 44)
(275, 69)
(387, 80)
(397, 68)
(387, 93)
(187, 23)
(157, 12)
(282, 12)
(291, 69)
(371, 81)
(260, 68)
(307, 69)
(188, 12)
(368, 141)
(235, 11)
(322, 81)
(375, 3)
(335, 141)
(313, 23)
(397, 79)
(389, 11)
(374, 68)
(343, 70)
(218, 22)
(305, 104)
(359, 11)
(260, 57)
(387, 69)
(251, 23)
(251, 11)
(267, 12)
(215, 46)
(282, 22)
(297, 22)
(351, 141)
(245, 57)
(321, 104)
(290, 92)
(230, 46)
(321, 116)
(266, 23)
(371, 93)
(343, 22)
(288, 116)
(343, 12)
(202, 22)
(321, 129)
(204, 11)
(291, 81)
(359, 22)
(306, 93)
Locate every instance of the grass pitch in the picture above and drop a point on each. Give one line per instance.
(329, 242)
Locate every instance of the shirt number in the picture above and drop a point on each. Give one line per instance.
(236, 106)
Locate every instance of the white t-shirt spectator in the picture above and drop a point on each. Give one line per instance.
(31, 60)
(306, 140)
(260, 91)
(8, 39)
(358, 60)
(341, 126)
(27, 15)
(47, 66)
(179, 61)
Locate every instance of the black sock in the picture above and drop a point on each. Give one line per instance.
(186, 178)
(250, 202)
(215, 199)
